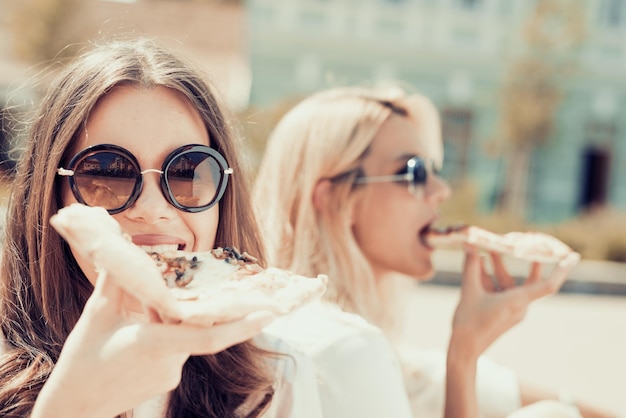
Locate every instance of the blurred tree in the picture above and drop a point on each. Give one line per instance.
(531, 91)
(256, 125)
(43, 29)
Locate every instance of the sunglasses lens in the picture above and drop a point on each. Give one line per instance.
(194, 179)
(420, 174)
(106, 179)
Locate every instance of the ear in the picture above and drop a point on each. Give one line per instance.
(321, 195)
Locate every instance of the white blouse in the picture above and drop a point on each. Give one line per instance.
(295, 396)
(497, 387)
(358, 372)
(362, 375)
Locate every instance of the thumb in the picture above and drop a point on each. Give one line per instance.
(106, 297)
(472, 270)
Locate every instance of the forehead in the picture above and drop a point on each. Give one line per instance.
(401, 137)
(157, 119)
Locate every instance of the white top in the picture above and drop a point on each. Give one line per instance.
(358, 372)
(497, 387)
(295, 396)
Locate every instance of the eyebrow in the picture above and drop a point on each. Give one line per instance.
(407, 156)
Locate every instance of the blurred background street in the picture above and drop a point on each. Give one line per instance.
(532, 96)
(570, 341)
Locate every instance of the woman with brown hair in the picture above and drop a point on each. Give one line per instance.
(75, 343)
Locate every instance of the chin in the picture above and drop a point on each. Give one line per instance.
(424, 272)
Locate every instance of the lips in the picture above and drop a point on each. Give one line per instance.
(158, 243)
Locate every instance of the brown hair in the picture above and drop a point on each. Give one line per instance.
(43, 290)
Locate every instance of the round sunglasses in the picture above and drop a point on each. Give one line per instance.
(414, 173)
(193, 177)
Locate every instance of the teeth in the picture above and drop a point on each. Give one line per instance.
(162, 248)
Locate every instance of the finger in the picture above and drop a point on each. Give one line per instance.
(487, 281)
(472, 270)
(152, 315)
(505, 280)
(556, 279)
(227, 307)
(535, 274)
(106, 293)
(104, 306)
(210, 340)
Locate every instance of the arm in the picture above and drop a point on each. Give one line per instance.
(129, 344)
(111, 362)
(531, 394)
(485, 311)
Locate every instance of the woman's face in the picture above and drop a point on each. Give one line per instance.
(150, 123)
(389, 220)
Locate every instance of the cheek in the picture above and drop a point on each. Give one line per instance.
(376, 226)
(66, 193)
(204, 228)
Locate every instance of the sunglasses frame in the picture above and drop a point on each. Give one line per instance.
(412, 165)
(224, 170)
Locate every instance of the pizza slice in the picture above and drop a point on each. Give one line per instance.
(529, 246)
(195, 288)
(215, 285)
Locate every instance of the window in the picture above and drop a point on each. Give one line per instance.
(595, 177)
(456, 127)
(612, 13)
(470, 5)
(596, 162)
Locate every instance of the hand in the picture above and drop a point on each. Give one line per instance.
(486, 309)
(113, 359)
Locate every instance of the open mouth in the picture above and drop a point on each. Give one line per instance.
(162, 248)
(423, 234)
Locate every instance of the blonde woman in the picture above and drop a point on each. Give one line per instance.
(348, 186)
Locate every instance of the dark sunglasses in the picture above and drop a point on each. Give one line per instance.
(193, 177)
(415, 174)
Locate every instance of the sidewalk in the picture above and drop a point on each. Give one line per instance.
(588, 277)
(569, 341)
(574, 340)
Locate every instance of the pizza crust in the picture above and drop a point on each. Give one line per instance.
(216, 289)
(529, 246)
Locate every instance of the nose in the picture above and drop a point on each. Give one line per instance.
(438, 189)
(151, 206)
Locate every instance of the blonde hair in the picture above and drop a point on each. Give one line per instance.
(325, 137)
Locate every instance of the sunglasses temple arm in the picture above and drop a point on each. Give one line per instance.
(384, 179)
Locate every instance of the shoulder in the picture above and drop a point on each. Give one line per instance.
(296, 392)
(320, 326)
(351, 357)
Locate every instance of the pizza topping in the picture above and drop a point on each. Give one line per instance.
(177, 270)
(233, 256)
(179, 267)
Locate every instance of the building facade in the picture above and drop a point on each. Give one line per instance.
(459, 53)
